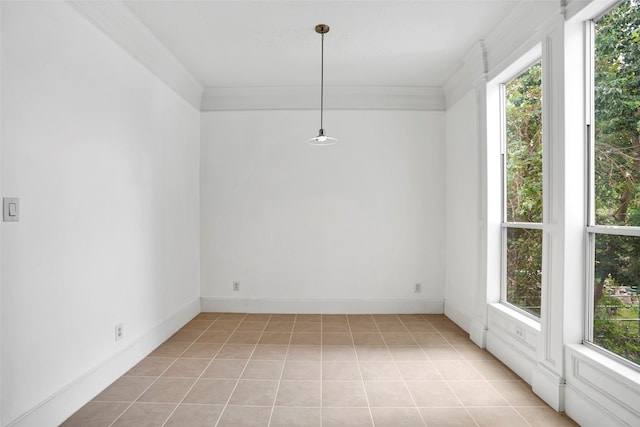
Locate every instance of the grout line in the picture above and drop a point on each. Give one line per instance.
(160, 375)
(284, 363)
(366, 395)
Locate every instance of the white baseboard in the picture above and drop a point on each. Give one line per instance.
(478, 333)
(62, 404)
(549, 386)
(459, 317)
(324, 306)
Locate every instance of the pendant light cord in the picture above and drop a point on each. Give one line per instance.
(321, 82)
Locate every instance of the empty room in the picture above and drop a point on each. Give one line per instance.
(320, 213)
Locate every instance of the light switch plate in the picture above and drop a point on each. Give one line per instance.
(11, 209)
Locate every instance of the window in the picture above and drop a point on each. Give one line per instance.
(614, 215)
(522, 191)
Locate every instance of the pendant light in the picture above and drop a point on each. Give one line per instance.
(322, 139)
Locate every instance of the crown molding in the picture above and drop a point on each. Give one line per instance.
(473, 69)
(336, 98)
(121, 25)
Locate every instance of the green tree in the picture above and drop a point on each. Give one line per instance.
(617, 168)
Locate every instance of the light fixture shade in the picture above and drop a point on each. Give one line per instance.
(322, 139)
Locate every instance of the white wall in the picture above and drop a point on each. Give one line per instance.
(351, 226)
(104, 159)
(462, 187)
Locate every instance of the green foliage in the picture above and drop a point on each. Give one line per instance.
(617, 175)
(523, 102)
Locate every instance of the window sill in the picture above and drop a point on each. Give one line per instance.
(526, 321)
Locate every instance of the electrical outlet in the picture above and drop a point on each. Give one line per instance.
(119, 332)
(520, 333)
(236, 286)
(417, 288)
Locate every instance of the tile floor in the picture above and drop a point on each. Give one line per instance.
(230, 369)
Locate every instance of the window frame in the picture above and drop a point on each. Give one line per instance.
(592, 229)
(533, 57)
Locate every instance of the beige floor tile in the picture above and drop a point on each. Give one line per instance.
(307, 326)
(254, 393)
(446, 325)
(419, 327)
(342, 318)
(235, 351)
(477, 393)
(517, 393)
(368, 339)
(497, 417)
(341, 371)
(302, 370)
(144, 415)
(456, 370)
(214, 336)
(283, 318)
(244, 338)
(306, 338)
(167, 390)
(395, 417)
(170, 349)
(187, 368)
(380, 371)
(275, 338)
(428, 339)
(348, 394)
(202, 350)
(194, 416)
(344, 353)
(245, 416)
(346, 417)
(386, 318)
(308, 317)
(336, 339)
(275, 326)
(225, 368)
(391, 327)
(269, 352)
(418, 371)
(455, 338)
(545, 417)
(198, 325)
(251, 326)
(211, 392)
(304, 352)
(388, 394)
(96, 414)
(262, 317)
(342, 327)
(232, 316)
(442, 352)
(185, 335)
(364, 327)
(493, 370)
(299, 393)
(125, 389)
(431, 394)
(205, 315)
(151, 367)
(296, 417)
(398, 338)
(263, 370)
(447, 417)
(224, 325)
(373, 353)
(360, 318)
(407, 353)
(470, 351)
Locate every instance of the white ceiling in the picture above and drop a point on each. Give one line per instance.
(232, 44)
